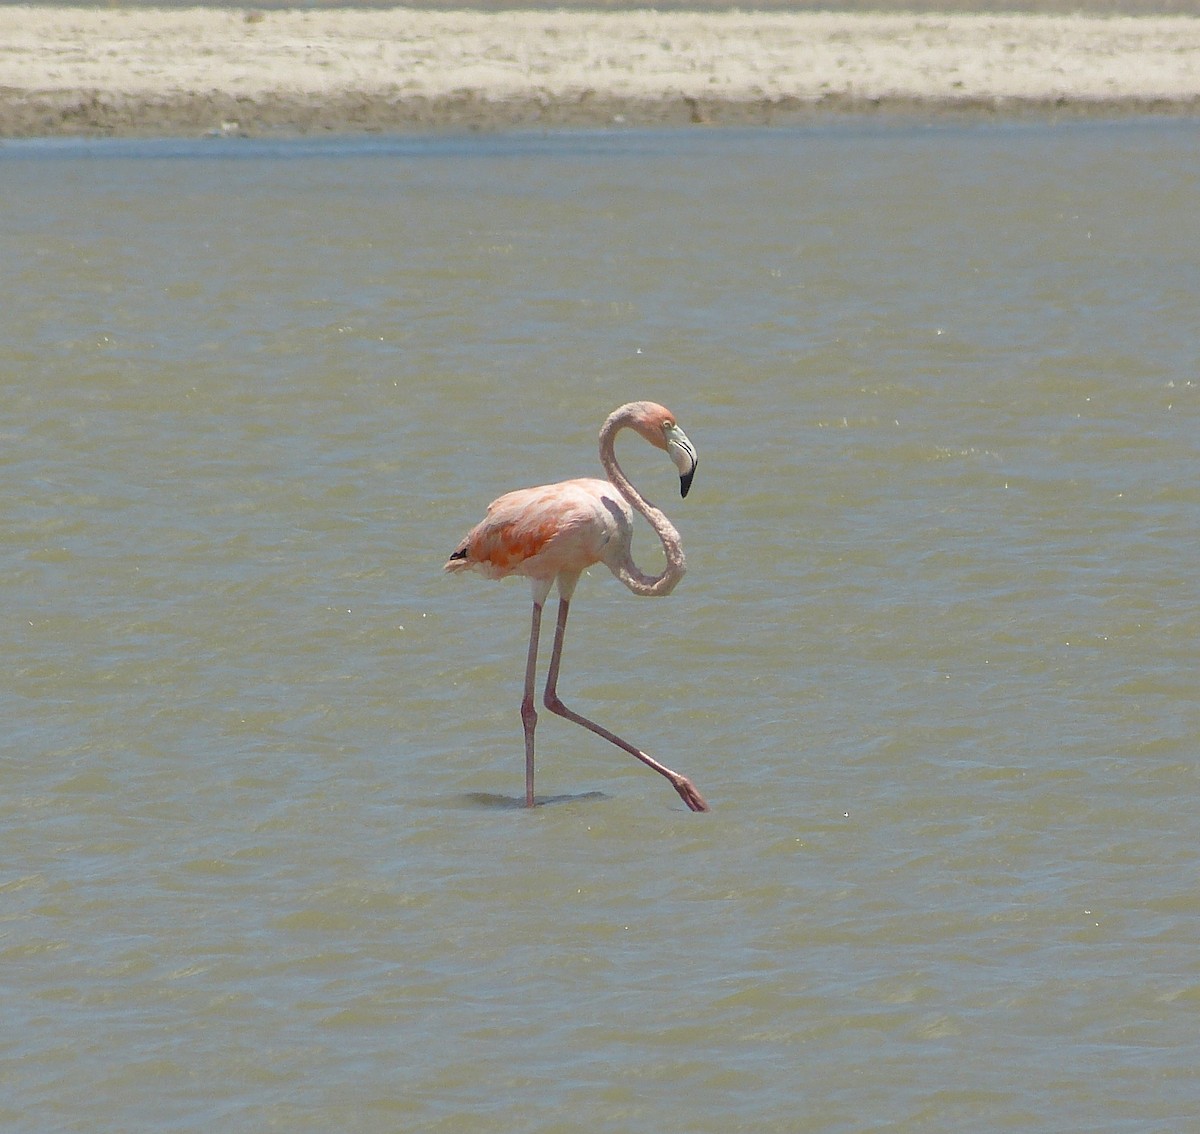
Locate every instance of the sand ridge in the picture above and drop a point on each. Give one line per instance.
(145, 70)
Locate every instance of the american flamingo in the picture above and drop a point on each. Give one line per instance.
(551, 534)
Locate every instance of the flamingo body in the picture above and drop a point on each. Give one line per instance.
(552, 533)
(547, 532)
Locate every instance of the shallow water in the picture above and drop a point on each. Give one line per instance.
(934, 663)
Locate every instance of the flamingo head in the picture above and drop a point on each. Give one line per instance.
(658, 426)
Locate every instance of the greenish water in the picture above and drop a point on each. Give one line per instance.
(933, 664)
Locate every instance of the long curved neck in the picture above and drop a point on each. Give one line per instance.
(624, 568)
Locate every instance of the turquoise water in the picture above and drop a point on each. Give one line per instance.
(933, 664)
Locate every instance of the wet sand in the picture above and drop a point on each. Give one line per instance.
(185, 71)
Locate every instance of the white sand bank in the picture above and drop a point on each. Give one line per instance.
(67, 70)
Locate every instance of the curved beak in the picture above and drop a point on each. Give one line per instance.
(683, 453)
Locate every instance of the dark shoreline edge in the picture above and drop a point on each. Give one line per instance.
(105, 114)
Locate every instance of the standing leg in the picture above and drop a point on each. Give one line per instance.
(681, 784)
(528, 712)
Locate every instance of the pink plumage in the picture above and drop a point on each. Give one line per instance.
(552, 533)
(544, 531)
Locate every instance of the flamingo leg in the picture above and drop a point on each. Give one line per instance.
(528, 712)
(681, 784)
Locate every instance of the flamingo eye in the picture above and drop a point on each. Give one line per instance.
(668, 425)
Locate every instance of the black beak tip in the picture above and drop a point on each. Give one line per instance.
(685, 482)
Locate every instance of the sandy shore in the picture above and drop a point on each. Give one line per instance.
(183, 71)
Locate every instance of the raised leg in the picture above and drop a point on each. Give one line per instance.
(681, 784)
(528, 712)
